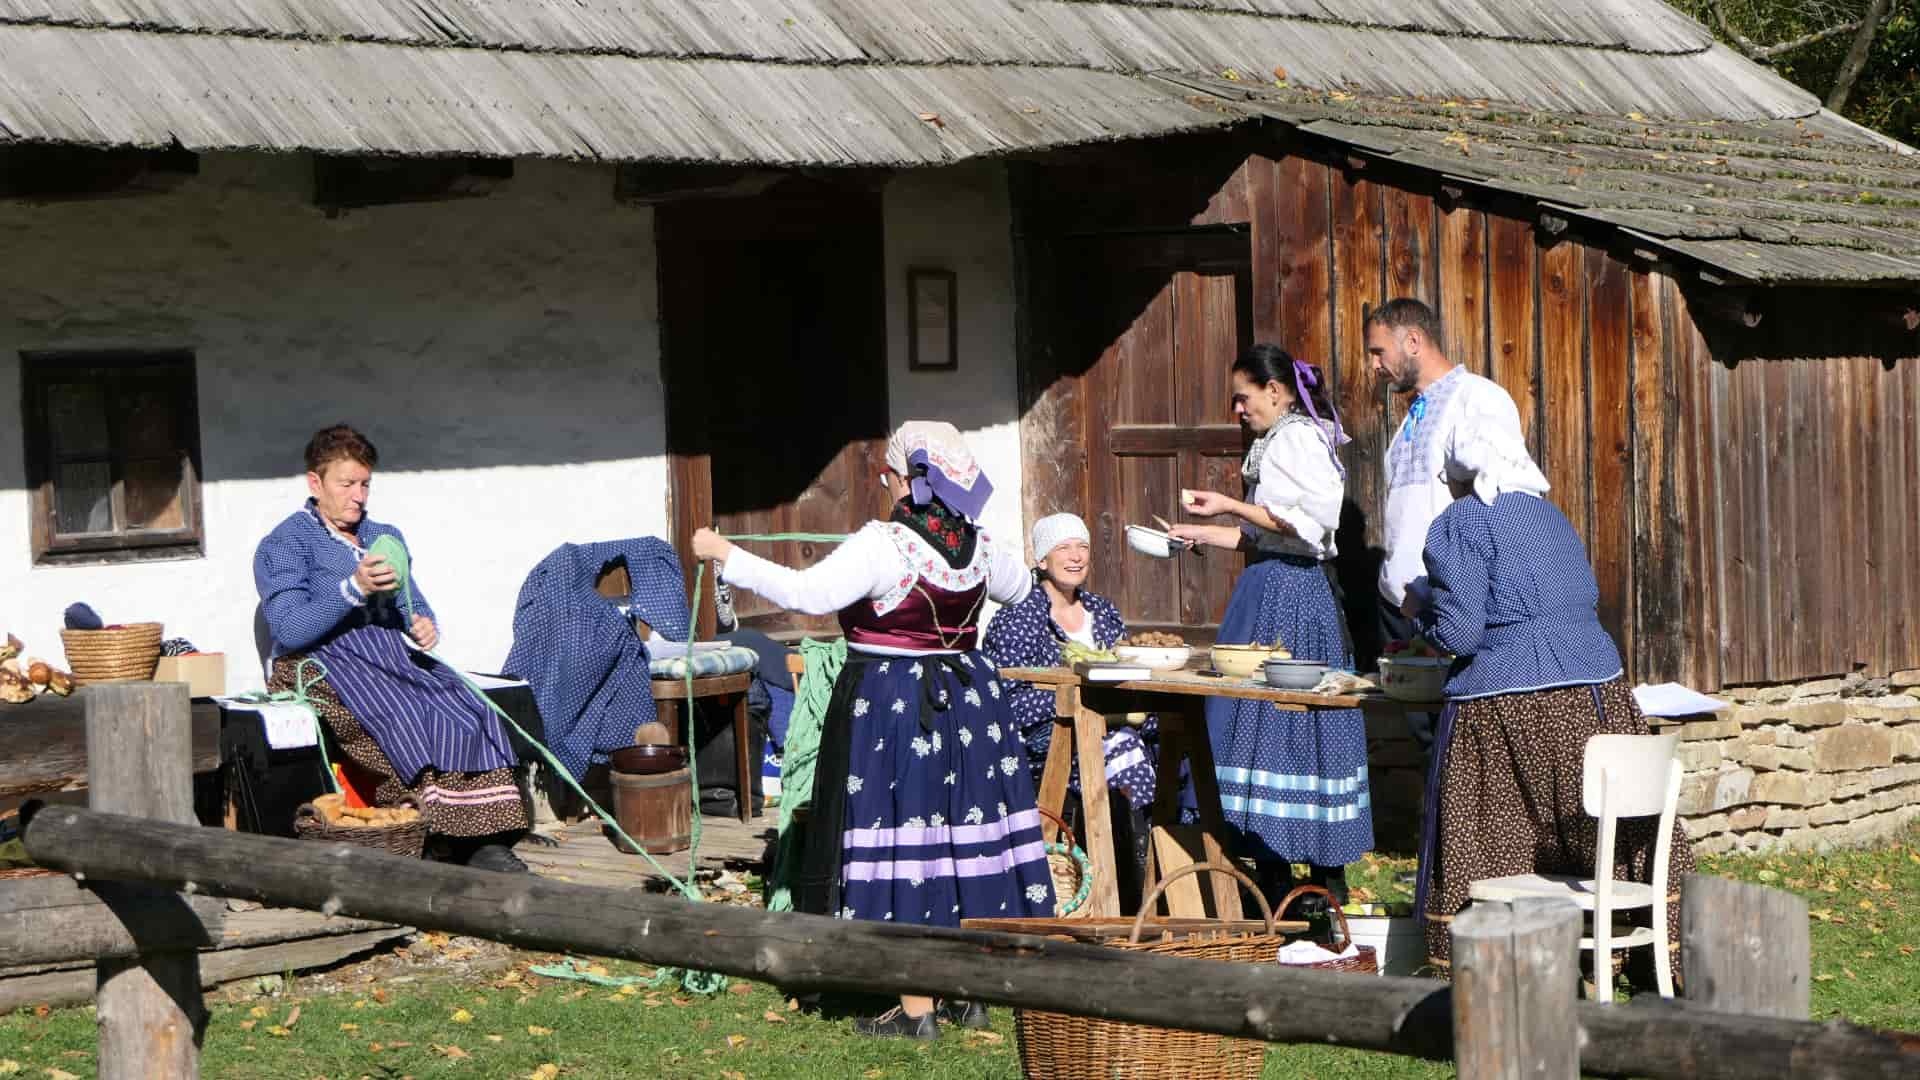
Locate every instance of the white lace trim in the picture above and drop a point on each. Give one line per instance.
(923, 563)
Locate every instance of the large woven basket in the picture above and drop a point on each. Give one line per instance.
(120, 654)
(408, 839)
(1055, 1046)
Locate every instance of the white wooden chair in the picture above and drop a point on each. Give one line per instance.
(1623, 776)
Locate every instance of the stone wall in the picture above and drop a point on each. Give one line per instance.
(1827, 764)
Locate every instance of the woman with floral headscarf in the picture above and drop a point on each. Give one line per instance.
(923, 811)
(1509, 592)
(1294, 783)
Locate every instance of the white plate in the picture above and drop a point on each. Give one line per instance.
(1155, 657)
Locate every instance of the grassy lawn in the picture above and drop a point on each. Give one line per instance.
(1866, 926)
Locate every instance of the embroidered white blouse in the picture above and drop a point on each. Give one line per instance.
(1300, 485)
(1457, 402)
(879, 564)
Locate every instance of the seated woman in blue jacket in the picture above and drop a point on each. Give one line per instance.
(397, 714)
(1509, 593)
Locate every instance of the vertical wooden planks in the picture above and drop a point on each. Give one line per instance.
(1410, 265)
(1510, 316)
(1653, 614)
(1463, 286)
(1868, 436)
(1756, 524)
(1515, 975)
(1357, 255)
(1304, 260)
(1563, 382)
(1609, 401)
(1697, 539)
(1270, 202)
(1783, 649)
(1903, 510)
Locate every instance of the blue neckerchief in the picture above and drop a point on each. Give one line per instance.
(1415, 413)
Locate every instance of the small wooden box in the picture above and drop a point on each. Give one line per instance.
(204, 673)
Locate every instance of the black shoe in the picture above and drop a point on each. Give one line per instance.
(896, 1024)
(496, 858)
(966, 1014)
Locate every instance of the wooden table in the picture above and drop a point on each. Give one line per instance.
(1179, 699)
(670, 696)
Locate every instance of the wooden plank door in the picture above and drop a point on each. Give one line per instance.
(774, 351)
(1156, 321)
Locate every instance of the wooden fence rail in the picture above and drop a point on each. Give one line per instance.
(1522, 1013)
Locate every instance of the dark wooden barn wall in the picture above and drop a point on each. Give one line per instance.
(1809, 444)
(1599, 355)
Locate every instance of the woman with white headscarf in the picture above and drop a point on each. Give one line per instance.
(923, 811)
(1033, 632)
(1510, 594)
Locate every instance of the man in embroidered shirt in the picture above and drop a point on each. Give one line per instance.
(1407, 352)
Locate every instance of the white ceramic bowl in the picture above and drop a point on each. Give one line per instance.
(1239, 661)
(1155, 657)
(1414, 678)
(1292, 674)
(1151, 542)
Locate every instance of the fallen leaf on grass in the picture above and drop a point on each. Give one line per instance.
(60, 1074)
(1822, 914)
(8, 1066)
(1823, 977)
(729, 1074)
(452, 1052)
(360, 1003)
(462, 1016)
(544, 1072)
(874, 1074)
(992, 1038)
(740, 988)
(380, 995)
(247, 1025)
(577, 994)
(682, 1002)
(598, 969)
(292, 1018)
(793, 1004)
(349, 1027)
(536, 1029)
(772, 1017)
(1848, 972)
(1767, 875)
(735, 1042)
(629, 990)
(278, 1032)
(257, 1012)
(1906, 950)
(41, 1012)
(496, 1038)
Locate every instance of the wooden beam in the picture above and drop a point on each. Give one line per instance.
(1158, 440)
(1515, 971)
(140, 761)
(1745, 948)
(54, 919)
(43, 746)
(1272, 1002)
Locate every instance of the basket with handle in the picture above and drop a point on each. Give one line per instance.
(115, 654)
(407, 838)
(1055, 1046)
(1072, 871)
(1364, 962)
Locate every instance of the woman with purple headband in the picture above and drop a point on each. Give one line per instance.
(1293, 784)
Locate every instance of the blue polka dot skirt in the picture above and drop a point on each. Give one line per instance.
(940, 821)
(1293, 785)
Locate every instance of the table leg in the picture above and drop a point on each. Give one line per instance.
(742, 759)
(1052, 795)
(1206, 789)
(1166, 791)
(668, 712)
(1089, 733)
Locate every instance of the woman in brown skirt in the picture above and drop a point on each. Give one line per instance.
(1509, 592)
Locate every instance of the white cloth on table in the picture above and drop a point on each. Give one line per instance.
(880, 563)
(1458, 402)
(289, 725)
(1301, 486)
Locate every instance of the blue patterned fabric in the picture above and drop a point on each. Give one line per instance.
(1025, 635)
(588, 668)
(940, 822)
(1293, 784)
(1514, 598)
(417, 710)
(1411, 447)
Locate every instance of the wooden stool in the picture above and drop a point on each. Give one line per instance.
(669, 695)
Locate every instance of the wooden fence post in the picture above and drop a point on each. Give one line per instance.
(1746, 948)
(140, 763)
(1516, 981)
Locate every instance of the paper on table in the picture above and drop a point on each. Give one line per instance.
(1672, 699)
(289, 726)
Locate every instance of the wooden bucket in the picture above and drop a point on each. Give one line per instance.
(656, 810)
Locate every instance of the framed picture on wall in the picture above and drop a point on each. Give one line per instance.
(933, 332)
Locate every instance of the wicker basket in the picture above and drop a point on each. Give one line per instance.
(1072, 873)
(121, 654)
(1365, 963)
(407, 840)
(1055, 1046)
